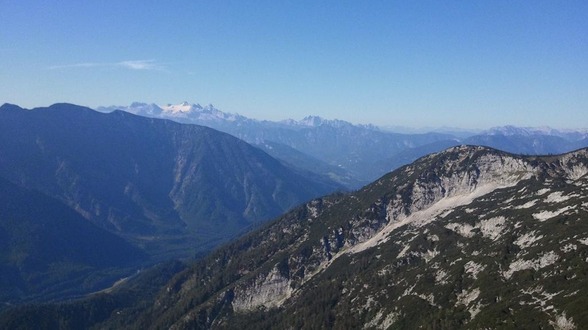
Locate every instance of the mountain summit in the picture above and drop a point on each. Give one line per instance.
(183, 112)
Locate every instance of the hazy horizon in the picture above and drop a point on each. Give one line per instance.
(426, 64)
(390, 128)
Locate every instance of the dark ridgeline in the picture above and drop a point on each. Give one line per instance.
(150, 189)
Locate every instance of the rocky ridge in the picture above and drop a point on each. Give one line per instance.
(470, 237)
(467, 238)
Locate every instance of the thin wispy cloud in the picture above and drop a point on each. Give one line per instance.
(76, 65)
(140, 65)
(131, 65)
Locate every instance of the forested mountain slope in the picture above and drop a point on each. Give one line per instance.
(169, 190)
(467, 238)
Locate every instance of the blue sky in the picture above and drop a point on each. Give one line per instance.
(471, 64)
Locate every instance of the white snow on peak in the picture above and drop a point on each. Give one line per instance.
(185, 112)
(195, 113)
(183, 107)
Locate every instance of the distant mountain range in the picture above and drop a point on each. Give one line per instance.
(468, 238)
(347, 151)
(87, 198)
(355, 155)
(149, 188)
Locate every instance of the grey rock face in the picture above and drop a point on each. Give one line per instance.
(466, 238)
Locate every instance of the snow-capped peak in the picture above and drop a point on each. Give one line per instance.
(183, 107)
(183, 112)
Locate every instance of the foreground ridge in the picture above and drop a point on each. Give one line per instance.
(470, 237)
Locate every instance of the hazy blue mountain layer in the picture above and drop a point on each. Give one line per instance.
(169, 189)
(355, 155)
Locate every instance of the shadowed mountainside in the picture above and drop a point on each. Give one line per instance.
(171, 190)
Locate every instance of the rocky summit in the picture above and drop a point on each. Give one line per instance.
(468, 238)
